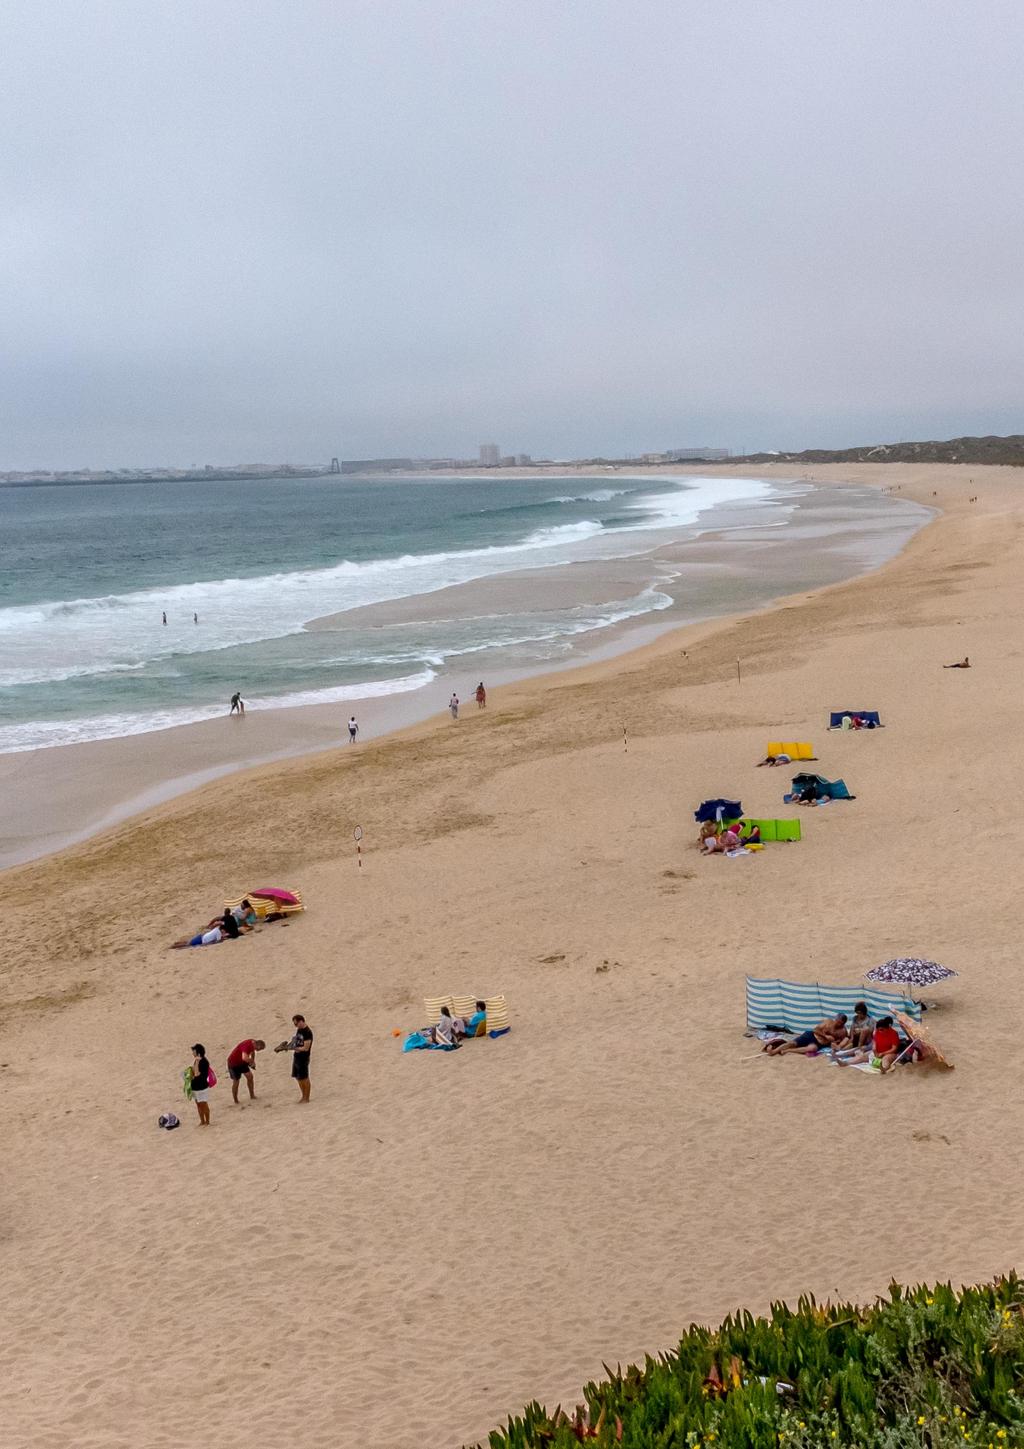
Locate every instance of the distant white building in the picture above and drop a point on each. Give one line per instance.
(490, 455)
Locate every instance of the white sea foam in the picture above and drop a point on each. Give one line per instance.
(46, 734)
(70, 638)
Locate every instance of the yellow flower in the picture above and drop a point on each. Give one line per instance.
(920, 1418)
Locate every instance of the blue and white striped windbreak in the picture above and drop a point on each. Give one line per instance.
(800, 1005)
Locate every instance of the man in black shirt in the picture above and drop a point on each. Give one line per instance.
(301, 1045)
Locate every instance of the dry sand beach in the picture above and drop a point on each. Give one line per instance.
(440, 1238)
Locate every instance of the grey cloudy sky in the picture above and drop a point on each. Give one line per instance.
(232, 231)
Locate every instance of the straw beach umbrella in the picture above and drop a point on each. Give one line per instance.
(909, 971)
(917, 1033)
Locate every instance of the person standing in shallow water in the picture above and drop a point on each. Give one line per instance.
(481, 696)
(237, 703)
(453, 706)
(165, 616)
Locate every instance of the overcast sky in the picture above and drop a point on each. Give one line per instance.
(295, 228)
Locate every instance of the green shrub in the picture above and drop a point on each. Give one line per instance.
(925, 1368)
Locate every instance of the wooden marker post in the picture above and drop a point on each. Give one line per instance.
(357, 836)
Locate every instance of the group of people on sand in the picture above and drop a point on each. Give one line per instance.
(234, 922)
(853, 1041)
(451, 1031)
(199, 1079)
(715, 839)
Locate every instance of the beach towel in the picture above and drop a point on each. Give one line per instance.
(793, 1006)
(416, 1041)
(869, 717)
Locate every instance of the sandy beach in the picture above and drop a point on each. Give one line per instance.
(439, 1238)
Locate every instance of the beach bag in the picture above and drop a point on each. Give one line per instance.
(168, 1120)
(211, 1078)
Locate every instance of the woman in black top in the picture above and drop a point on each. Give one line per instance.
(201, 1083)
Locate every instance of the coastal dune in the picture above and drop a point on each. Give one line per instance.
(439, 1238)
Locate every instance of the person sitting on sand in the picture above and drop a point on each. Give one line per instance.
(772, 760)
(443, 1034)
(828, 1033)
(886, 1045)
(475, 1025)
(862, 1027)
(965, 663)
(728, 840)
(245, 915)
(808, 796)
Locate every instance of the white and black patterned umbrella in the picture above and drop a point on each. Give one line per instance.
(909, 971)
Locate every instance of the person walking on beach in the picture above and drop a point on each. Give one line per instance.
(195, 618)
(237, 703)
(242, 1063)
(165, 616)
(453, 706)
(199, 1085)
(301, 1045)
(353, 729)
(481, 696)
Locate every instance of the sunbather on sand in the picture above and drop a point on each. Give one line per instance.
(886, 1045)
(443, 1034)
(710, 841)
(775, 760)
(464, 1027)
(209, 937)
(965, 663)
(828, 1033)
(861, 1028)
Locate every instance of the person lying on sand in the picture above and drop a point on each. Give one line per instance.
(775, 760)
(209, 937)
(965, 663)
(828, 1033)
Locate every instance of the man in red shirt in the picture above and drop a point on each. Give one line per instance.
(242, 1063)
(886, 1043)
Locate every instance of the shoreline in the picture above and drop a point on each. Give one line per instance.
(61, 797)
(533, 853)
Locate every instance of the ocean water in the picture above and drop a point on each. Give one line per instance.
(87, 573)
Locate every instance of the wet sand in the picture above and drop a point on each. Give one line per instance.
(58, 797)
